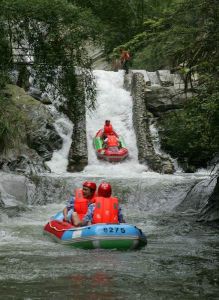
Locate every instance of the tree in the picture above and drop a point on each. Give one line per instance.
(184, 36)
(48, 36)
(121, 20)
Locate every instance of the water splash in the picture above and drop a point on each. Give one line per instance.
(113, 103)
(59, 161)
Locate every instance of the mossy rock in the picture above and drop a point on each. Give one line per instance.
(20, 97)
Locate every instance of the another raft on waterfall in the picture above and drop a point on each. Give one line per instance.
(121, 236)
(111, 154)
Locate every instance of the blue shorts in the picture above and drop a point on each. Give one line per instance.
(69, 216)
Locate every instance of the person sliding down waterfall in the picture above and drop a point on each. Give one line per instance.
(108, 130)
(105, 209)
(79, 203)
(109, 145)
(109, 136)
(111, 142)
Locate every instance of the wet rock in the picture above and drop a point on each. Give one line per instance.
(8, 201)
(153, 77)
(29, 162)
(35, 93)
(210, 211)
(39, 137)
(197, 197)
(15, 193)
(141, 122)
(165, 77)
(44, 139)
(167, 166)
(144, 73)
(39, 95)
(161, 99)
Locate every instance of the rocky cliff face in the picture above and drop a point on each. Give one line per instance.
(203, 200)
(210, 211)
(39, 138)
(155, 94)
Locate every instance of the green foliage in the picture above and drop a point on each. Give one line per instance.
(49, 36)
(184, 37)
(12, 125)
(179, 32)
(120, 20)
(193, 133)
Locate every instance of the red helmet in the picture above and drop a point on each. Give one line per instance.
(90, 184)
(104, 190)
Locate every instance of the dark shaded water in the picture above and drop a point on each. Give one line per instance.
(181, 261)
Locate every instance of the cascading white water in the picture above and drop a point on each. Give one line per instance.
(58, 163)
(113, 103)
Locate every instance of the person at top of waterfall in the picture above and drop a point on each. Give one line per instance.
(80, 202)
(124, 59)
(105, 209)
(108, 130)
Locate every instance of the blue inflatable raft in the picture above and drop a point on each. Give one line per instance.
(121, 236)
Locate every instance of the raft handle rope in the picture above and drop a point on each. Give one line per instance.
(63, 229)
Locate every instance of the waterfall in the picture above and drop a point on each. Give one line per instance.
(64, 127)
(113, 103)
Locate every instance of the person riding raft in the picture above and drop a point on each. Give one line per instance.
(79, 204)
(110, 137)
(105, 209)
(108, 129)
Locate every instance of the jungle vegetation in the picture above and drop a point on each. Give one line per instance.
(183, 36)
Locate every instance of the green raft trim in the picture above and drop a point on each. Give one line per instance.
(86, 243)
(98, 143)
(122, 142)
(125, 244)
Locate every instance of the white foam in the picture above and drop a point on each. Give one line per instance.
(113, 103)
(59, 161)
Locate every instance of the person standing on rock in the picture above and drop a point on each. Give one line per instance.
(124, 60)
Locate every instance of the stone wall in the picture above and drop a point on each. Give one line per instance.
(141, 121)
(155, 94)
(78, 154)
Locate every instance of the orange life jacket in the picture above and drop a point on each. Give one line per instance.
(80, 204)
(106, 210)
(112, 141)
(108, 129)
